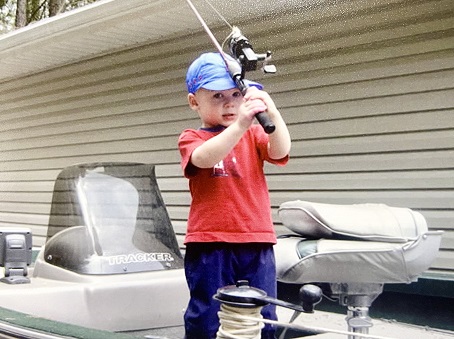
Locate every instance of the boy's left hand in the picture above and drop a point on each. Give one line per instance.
(254, 93)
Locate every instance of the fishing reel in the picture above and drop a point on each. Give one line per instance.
(241, 49)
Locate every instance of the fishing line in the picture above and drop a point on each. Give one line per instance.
(218, 13)
(207, 29)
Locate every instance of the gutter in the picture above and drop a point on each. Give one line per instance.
(112, 25)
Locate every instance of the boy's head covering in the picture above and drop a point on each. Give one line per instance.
(210, 72)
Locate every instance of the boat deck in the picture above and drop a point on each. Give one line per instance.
(328, 320)
(317, 321)
(383, 328)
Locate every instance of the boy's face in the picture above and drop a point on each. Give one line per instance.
(216, 107)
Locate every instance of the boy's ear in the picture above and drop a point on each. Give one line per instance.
(192, 100)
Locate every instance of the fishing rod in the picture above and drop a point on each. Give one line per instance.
(243, 58)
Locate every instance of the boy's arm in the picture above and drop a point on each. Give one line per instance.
(280, 142)
(217, 148)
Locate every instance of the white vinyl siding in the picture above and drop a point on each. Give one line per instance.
(366, 90)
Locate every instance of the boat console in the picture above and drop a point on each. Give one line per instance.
(110, 219)
(111, 260)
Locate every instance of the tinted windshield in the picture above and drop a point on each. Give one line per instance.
(126, 227)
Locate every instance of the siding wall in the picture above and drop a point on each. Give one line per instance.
(367, 93)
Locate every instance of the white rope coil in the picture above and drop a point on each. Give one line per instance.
(234, 324)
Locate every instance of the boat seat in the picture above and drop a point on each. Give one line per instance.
(368, 243)
(351, 251)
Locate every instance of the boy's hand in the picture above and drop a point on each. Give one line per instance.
(254, 93)
(249, 108)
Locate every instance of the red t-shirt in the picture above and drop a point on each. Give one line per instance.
(230, 202)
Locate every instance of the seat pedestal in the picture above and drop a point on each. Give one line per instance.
(358, 297)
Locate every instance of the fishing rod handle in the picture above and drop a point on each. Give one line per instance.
(264, 120)
(262, 117)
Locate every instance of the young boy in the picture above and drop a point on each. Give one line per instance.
(230, 234)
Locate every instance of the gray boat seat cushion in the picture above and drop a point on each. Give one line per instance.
(365, 243)
(375, 222)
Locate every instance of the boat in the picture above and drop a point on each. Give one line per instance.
(111, 266)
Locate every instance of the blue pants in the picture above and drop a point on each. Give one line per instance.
(210, 266)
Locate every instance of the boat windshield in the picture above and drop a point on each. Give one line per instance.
(110, 218)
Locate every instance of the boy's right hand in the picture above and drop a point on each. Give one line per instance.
(250, 107)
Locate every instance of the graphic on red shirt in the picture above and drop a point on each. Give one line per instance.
(227, 167)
